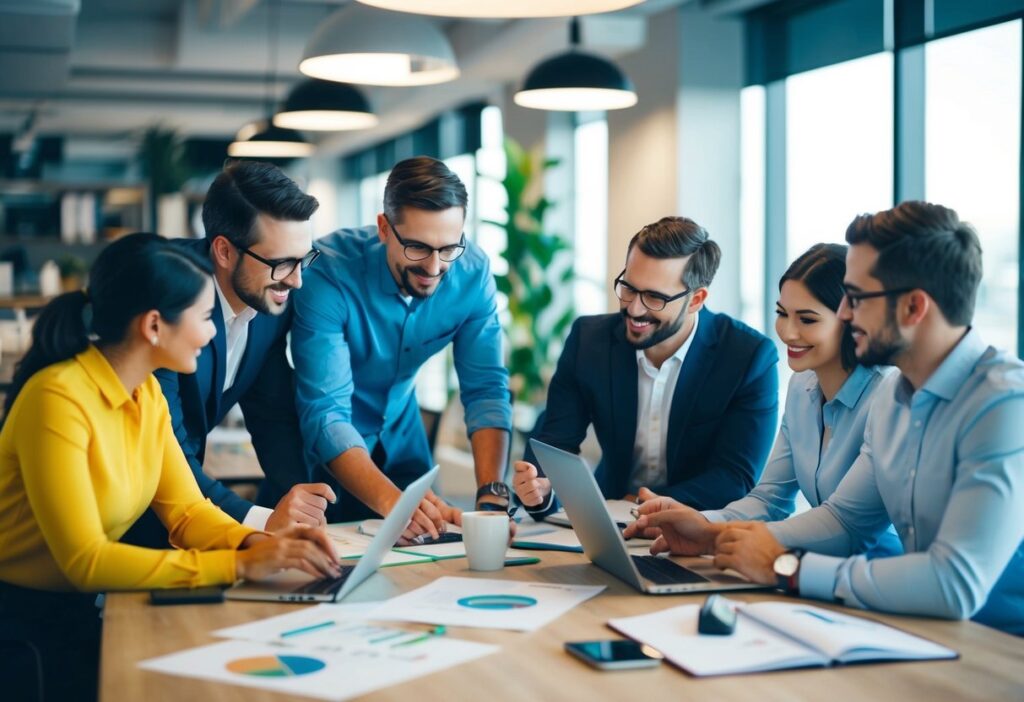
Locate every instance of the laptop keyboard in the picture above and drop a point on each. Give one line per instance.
(662, 571)
(325, 586)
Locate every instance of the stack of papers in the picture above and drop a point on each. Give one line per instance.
(329, 652)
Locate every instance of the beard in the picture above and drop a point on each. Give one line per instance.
(409, 289)
(256, 297)
(883, 349)
(660, 333)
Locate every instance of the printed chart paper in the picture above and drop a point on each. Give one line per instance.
(371, 657)
(488, 604)
(302, 627)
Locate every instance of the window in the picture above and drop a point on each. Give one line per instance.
(972, 157)
(839, 148)
(591, 216)
(752, 213)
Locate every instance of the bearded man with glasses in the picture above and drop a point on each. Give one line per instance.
(259, 242)
(383, 300)
(683, 400)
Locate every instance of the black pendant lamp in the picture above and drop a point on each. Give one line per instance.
(576, 82)
(323, 105)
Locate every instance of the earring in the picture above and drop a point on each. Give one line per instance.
(153, 341)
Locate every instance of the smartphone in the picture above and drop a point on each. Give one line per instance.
(614, 654)
(187, 595)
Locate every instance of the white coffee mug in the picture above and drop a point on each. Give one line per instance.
(485, 535)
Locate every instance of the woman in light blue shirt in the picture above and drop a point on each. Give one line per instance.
(828, 400)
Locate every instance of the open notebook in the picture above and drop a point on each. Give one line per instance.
(774, 636)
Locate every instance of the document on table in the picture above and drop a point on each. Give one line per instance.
(488, 604)
(540, 536)
(364, 657)
(774, 636)
(306, 626)
(349, 543)
(619, 509)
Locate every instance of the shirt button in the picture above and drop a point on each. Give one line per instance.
(917, 423)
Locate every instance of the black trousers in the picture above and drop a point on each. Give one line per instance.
(49, 645)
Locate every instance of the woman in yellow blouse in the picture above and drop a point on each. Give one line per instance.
(87, 446)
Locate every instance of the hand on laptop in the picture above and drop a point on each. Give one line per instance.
(748, 548)
(303, 504)
(683, 531)
(531, 489)
(301, 547)
(649, 502)
(431, 518)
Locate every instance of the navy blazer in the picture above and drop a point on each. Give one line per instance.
(722, 421)
(264, 388)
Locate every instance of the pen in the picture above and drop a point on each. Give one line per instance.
(525, 560)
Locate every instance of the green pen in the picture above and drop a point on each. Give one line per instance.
(525, 560)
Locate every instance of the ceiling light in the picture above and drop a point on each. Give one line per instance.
(502, 8)
(361, 45)
(323, 105)
(268, 141)
(576, 82)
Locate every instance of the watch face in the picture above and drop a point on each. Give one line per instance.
(786, 564)
(496, 489)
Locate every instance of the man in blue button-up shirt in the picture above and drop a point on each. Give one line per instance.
(943, 453)
(385, 299)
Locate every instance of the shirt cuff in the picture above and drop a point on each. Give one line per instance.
(543, 507)
(488, 414)
(715, 516)
(335, 439)
(818, 576)
(257, 518)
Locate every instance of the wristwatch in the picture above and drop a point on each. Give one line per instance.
(787, 571)
(495, 489)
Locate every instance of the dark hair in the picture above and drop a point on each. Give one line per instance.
(135, 274)
(245, 189)
(675, 237)
(926, 246)
(821, 269)
(422, 183)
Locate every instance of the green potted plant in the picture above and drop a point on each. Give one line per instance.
(537, 283)
(162, 156)
(72, 272)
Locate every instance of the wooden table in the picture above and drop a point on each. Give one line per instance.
(532, 666)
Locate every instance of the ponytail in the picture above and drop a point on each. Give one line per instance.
(59, 334)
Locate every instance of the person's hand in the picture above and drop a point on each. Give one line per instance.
(750, 549)
(303, 504)
(684, 531)
(306, 548)
(531, 489)
(649, 503)
(430, 518)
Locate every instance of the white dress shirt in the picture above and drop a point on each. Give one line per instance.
(655, 389)
(236, 329)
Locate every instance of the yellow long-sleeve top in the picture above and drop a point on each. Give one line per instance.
(80, 461)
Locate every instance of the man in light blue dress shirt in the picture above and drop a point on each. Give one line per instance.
(385, 299)
(943, 453)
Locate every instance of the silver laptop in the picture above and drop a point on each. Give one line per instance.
(573, 482)
(294, 585)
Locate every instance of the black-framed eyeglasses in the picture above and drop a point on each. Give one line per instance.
(652, 300)
(416, 251)
(853, 299)
(281, 268)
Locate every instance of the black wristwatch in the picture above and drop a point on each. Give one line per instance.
(495, 489)
(787, 571)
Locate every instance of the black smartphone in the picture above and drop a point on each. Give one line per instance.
(187, 595)
(614, 654)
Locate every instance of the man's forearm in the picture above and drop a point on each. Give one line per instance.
(490, 455)
(360, 476)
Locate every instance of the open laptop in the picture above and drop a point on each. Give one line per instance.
(573, 482)
(294, 585)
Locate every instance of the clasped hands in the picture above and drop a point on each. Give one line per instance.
(745, 547)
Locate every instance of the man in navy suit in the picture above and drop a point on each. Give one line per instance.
(683, 401)
(259, 241)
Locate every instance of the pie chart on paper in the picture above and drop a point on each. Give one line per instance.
(497, 602)
(276, 666)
